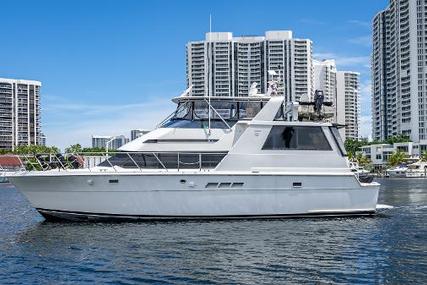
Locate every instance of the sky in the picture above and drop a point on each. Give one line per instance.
(107, 67)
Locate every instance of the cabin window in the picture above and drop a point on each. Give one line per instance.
(167, 160)
(183, 111)
(280, 115)
(227, 110)
(296, 138)
(195, 114)
(338, 140)
(201, 109)
(248, 110)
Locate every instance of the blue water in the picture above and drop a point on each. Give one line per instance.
(390, 248)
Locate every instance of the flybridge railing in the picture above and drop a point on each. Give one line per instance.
(115, 161)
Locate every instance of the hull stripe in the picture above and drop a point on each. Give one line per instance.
(84, 216)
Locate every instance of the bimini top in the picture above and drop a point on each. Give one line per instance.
(194, 111)
(257, 97)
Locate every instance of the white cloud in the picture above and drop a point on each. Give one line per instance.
(344, 61)
(72, 123)
(365, 97)
(359, 23)
(365, 106)
(366, 127)
(365, 41)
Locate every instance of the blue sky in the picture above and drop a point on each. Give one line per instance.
(110, 66)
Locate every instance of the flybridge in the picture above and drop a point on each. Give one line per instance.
(218, 112)
(224, 112)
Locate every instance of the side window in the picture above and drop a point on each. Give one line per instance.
(248, 110)
(338, 141)
(296, 138)
(312, 138)
(281, 138)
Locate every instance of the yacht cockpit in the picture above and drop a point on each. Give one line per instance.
(194, 111)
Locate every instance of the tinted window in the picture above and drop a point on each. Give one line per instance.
(338, 140)
(280, 116)
(248, 110)
(198, 124)
(227, 110)
(296, 138)
(169, 160)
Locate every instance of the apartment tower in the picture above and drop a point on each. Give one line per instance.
(325, 73)
(348, 103)
(19, 113)
(223, 65)
(399, 70)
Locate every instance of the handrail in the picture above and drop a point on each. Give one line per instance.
(87, 160)
(137, 165)
(210, 106)
(161, 163)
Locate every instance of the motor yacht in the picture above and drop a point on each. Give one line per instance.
(417, 170)
(398, 171)
(234, 157)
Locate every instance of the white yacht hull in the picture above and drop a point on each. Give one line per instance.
(415, 174)
(179, 195)
(396, 174)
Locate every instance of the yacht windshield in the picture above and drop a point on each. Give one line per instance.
(195, 114)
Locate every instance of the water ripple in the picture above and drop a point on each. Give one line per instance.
(389, 248)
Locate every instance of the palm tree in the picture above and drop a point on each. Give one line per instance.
(362, 160)
(75, 148)
(397, 158)
(36, 149)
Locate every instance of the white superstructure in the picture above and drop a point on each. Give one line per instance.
(19, 113)
(230, 158)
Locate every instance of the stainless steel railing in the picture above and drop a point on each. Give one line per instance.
(114, 160)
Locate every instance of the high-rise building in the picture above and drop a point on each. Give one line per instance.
(399, 64)
(325, 73)
(42, 139)
(342, 89)
(223, 65)
(19, 113)
(134, 134)
(109, 142)
(348, 103)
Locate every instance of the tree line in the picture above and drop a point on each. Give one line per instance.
(353, 148)
(38, 149)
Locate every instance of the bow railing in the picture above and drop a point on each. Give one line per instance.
(115, 161)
